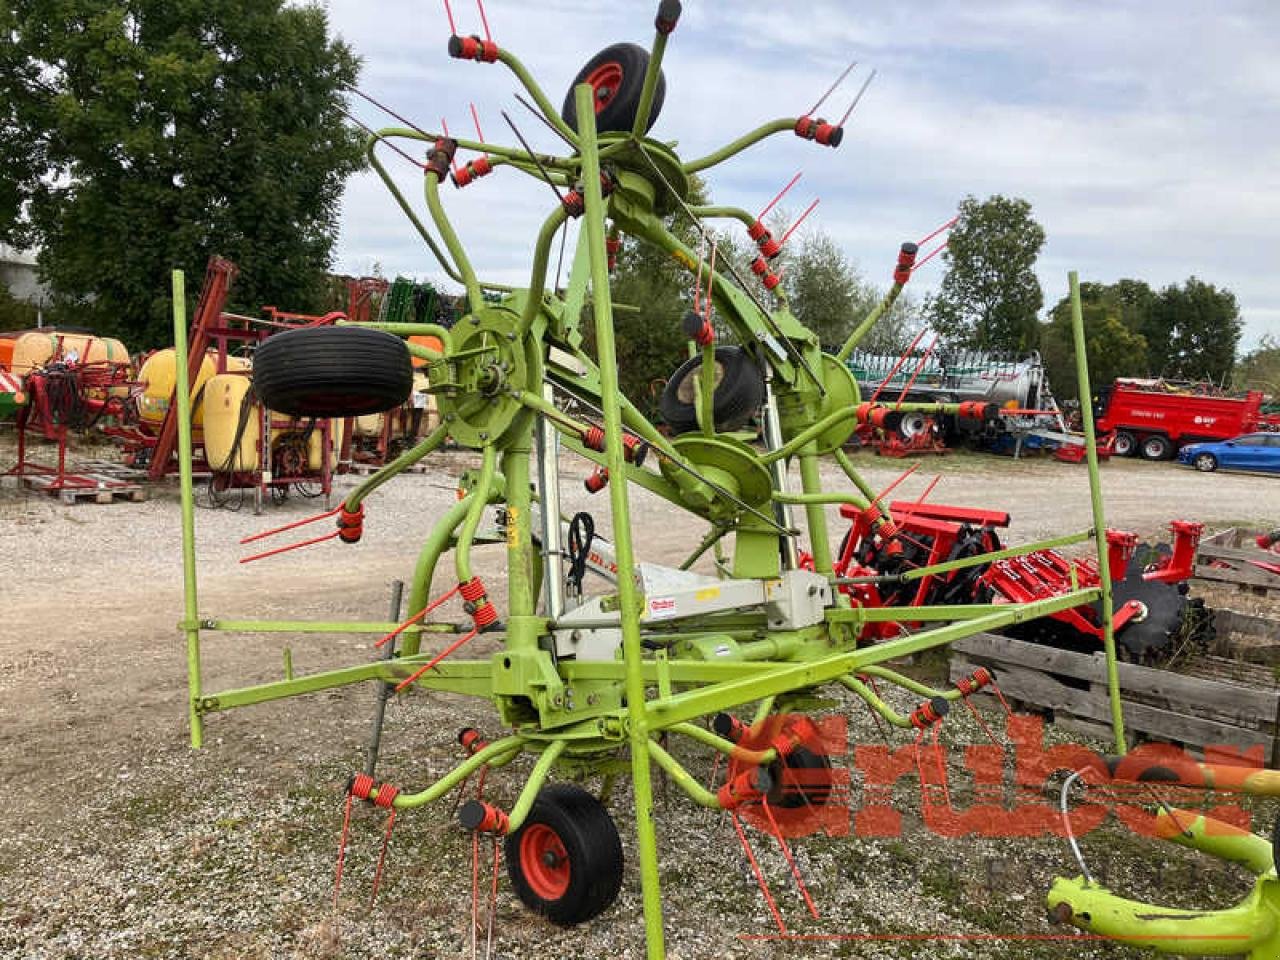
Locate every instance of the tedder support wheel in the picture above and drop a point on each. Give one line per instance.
(1156, 447)
(616, 74)
(565, 861)
(738, 394)
(1125, 444)
(1206, 462)
(332, 372)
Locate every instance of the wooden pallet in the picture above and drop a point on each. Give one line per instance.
(1225, 558)
(367, 469)
(1195, 711)
(78, 487)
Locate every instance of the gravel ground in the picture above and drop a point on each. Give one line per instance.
(121, 842)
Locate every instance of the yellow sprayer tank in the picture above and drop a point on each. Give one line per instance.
(158, 374)
(24, 350)
(225, 397)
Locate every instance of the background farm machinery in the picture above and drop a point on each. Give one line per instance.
(597, 684)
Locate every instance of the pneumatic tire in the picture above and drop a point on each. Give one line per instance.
(738, 394)
(565, 860)
(332, 372)
(616, 75)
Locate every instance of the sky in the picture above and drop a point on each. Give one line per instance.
(1146, 135)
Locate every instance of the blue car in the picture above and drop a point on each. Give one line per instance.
(1249, 451)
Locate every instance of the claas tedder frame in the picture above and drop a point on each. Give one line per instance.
(596, 685)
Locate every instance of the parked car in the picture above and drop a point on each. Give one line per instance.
(1249, 451)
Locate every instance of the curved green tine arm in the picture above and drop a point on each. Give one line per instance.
(869, 321)
(492, 755)
(428, 559)
(408, 211)
(727, 747)
(541, 260)
(537, 777)
(433, 441)
(724, 213)
(475, 510)
(510, 153)
(873, 700)
(744, 141)
(431, 186)
(526, 80)
(682, 778)
(1251, 928)
(907, 683)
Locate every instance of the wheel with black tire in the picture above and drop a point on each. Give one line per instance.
(1206, 462)
(565, 860)
(616, 75)
(1156, 447)
(739, 391)
(332, 372)
(1125, 444)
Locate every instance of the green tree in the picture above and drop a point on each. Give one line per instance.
(990, 297)
(1114, 346)
(825, 291)
(1193, 331)
(154, 133)
(1260, 368)
(14, 314)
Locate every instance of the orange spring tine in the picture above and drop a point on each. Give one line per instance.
(292, 526)
(781, 193)
(416, 617)
(755, 868)
(286, 549)
(791, 861)
(408, 681)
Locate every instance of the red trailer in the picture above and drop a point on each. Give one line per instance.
(1153, 418)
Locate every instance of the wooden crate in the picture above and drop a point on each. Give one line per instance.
(1195, 711)
(1224, 558)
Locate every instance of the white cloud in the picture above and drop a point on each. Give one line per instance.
(1147, 137)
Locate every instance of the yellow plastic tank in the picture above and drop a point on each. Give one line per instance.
(24, 350)
(158, 374)
(225, 402)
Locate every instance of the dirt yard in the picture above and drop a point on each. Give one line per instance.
(121, 842)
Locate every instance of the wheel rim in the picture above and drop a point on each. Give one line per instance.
(606, 81)
(1123, 445)
(1155, 449)
(544, 861)
(1204, 462)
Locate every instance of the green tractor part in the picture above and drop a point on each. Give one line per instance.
(593, 685)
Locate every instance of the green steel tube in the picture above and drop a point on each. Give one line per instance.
(638, 732)
(737, 146)
(705, 397)
(684, 780)
(191, 616)
(782, 679)
(541, 259)
(725, 213)
(1099, 520)
(651, 75)
(409, 212)
(858, 481)
(537, 777)
(862, 329)
(429, 557)
(946, 567)
(550, 113)
(815, 515)
(433, 441)
(1190, 828)
(873, 701)
(377, 627)
(907, 683)
(516, 154)
(757, 758)
(431, 186)
(475, 510)
(443, 334)
(493, 754)
(521, 590)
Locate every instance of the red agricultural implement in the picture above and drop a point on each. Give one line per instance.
(877, 563)
(1153, 418)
